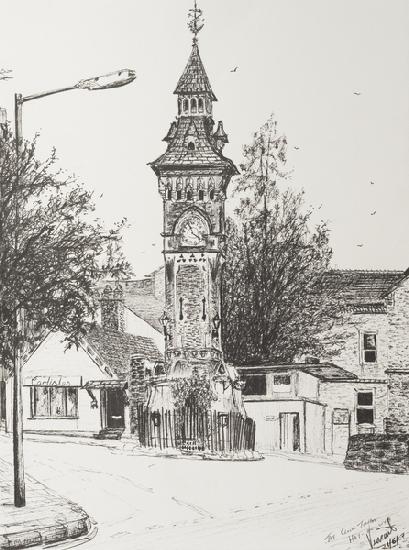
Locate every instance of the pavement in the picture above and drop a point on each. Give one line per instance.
(143, 502)
(47, 517)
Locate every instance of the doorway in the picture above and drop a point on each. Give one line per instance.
(289, 431)
(114, 407)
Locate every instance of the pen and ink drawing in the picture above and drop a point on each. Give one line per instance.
(277, 382)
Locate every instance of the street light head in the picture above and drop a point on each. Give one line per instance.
(116, 79)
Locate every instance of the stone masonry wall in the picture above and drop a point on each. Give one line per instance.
(350, 342)
(398, 409)
(378, 453)
(137, 389)
(398, 317)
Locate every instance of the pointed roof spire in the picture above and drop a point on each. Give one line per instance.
(194, 78)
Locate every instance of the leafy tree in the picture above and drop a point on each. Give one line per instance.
(194, 391)
(277, 300)
(52, 250)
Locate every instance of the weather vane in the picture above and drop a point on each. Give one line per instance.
(196, 21)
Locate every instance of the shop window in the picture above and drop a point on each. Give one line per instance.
(254, 384)
(54, 401)
(369, 347)
(365, 407)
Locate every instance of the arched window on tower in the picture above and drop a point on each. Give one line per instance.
(179, 188)
(169, 192)
(189, 189)
(211, 188)
(185, 105)
(200, 188)
(193, 105)
(181, 309)
(179, 106)
(201, 106)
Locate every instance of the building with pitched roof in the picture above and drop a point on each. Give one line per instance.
(85, 390)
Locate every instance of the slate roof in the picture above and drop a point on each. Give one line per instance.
(326, 372)
(205, 154)
(363, 287)
(194, 78)
(115, 348)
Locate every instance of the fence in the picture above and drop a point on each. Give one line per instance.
(195, 430)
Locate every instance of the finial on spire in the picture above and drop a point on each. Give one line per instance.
(195, 22)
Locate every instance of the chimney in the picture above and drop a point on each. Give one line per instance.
(112, 308)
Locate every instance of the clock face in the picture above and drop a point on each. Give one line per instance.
(193, 232)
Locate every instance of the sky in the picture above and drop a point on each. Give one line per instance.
(301, 59)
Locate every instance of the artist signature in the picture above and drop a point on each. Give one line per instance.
(376, 533)
(384, 537)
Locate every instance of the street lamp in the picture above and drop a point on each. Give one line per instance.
(116, 79)
(216, 325)
(165, 323)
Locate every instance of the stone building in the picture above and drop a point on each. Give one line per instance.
(361, 390)
(193, 175)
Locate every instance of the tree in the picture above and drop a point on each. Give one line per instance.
(277, 300)
(194, 391)
(52, 252)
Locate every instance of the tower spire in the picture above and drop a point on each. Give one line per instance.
(195, 21)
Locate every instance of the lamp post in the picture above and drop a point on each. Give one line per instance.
(216, 325)
(116, 79)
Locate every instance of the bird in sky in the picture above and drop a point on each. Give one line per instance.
(359, 245)
(357, 93)
(373, 213)
(5, 74)
(234, 70)
(101, 195)
(372, 183)
(153, 244)
(296, 147)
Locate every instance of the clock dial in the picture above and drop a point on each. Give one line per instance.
(192, 232)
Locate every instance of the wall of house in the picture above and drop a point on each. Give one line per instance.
(349, 337)
(137, 326)
(398, 316)
(87, 420)
(266, 415)
(314, 428)
(75, 367)
(343, 395)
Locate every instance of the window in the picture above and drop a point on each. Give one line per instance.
(189, 194)
(178, 194)
(193, 105)
(179, 186)
(191, 146)
(255, 384)
(201, 194)
(169, 193)
(282, 380)
(185, 105)
(369, 347)
(181, 309)
(201, 105)
(211, 194)
(179, 106)
(54, 401)
(364, 408)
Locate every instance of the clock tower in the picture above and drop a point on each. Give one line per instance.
(193, 175)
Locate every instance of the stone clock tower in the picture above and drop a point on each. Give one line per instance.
(193, 176)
